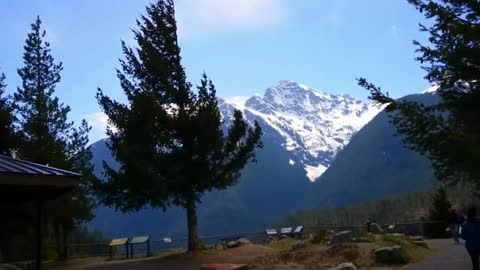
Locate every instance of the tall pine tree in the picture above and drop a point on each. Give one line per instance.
(439, 211)
(169, 139)
(8, 138)
(48, 136)
(448, 133)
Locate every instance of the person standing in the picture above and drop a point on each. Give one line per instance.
(471, 234)
(453, 222)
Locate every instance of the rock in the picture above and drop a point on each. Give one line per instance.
(224, 266)
(344, 266)
(9, 267)
(376, 229)
(233, 244)
(391, 228)
(244, 241)
(416, 238)
(330, 233)
(361, 240)
(391, 255)
(342, 237)
(239, 242)
(288, 266)
(421, 243)
(396, 234)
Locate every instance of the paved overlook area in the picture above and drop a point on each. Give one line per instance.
(449, 256)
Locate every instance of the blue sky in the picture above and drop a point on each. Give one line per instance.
(243, 45)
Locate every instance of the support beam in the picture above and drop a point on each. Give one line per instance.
(39, 235)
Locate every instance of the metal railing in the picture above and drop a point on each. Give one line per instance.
(159, 245)
(156, 245)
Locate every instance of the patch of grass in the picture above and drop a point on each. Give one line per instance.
(370, 237)
(280, 245)
(287, 244)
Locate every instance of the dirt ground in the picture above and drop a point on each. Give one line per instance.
(257, 256)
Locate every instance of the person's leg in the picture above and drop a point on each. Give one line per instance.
(474, 255)
(455, 233)
(452, 232)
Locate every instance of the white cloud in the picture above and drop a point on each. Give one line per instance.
(395, 33)
(99, 122)
(198, 17)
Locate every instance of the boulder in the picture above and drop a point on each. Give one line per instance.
(391, 255)
(376, 229)
(329, 233)
(244, 241)
(344, 266)
(288, 266)
(416, 238)
(421, 243)
(396, 234)
(342, 237)
(224, 266)
(9, 267)
(361, 240)
(239, 242)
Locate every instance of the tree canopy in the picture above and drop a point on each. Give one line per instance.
(47, 136)
(9, 138)
(447, 132)
(169, 139)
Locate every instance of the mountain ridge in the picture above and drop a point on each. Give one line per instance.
(313, 125)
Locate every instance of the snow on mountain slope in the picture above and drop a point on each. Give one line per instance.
(312, 125)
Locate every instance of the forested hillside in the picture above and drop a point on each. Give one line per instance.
(410, 207)
(374, 165)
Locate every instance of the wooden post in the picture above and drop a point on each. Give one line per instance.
(126, 249)
(38, 235)
(131, 250)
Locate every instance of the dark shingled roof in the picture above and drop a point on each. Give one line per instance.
(11, 165)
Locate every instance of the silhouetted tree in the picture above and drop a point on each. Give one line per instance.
(168, 139)
(439, 213)
(47, 135)
(8, 138)
(448, 132)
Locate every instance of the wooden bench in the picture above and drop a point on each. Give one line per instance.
(298, 232)
(139, 240)
(118, 242)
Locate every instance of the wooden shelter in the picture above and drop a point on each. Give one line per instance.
(27, 182)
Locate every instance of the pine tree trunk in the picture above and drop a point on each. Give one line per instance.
(192, 225)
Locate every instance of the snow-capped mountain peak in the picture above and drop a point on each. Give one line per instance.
(312, 125)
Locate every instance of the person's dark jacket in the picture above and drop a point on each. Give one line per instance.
(471, 234)
(452, 217)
